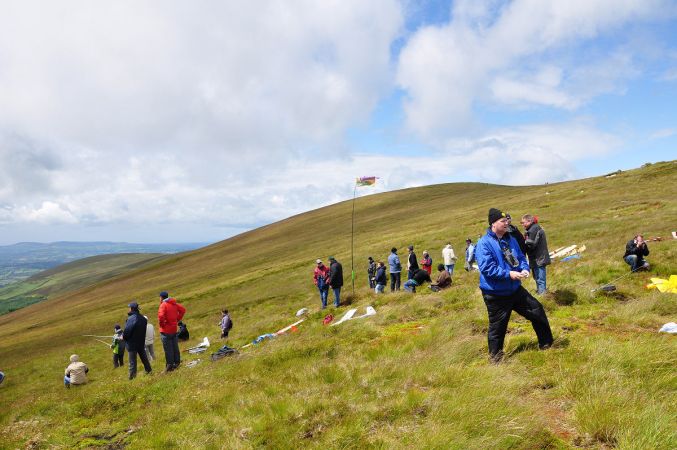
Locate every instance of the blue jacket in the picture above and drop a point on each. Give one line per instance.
(381, 276)
(494, 268)
(394, 263)
(135, 331)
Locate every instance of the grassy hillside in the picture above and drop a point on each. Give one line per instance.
(71, 277)
(413, 376)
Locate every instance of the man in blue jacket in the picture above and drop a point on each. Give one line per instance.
(135, 339)
(502, 267)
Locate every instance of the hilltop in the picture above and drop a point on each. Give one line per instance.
(415, 375)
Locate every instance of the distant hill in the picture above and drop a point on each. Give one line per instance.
(70, 277)
(25, 259)
(415, 375)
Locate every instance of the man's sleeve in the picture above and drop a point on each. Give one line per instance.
(129, 328)
(161, 315)
(181, 310)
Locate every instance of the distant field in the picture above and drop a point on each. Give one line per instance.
(23, 260)
(70, 277)
(415, 375)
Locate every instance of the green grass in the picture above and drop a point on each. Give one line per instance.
(71, 277)
(413, 376)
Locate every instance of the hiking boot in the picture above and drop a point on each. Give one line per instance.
(496, 358)
(544, 346)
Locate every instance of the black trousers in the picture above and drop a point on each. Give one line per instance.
(119, 357)
(524, 304)
(132, 361)
(395, 281)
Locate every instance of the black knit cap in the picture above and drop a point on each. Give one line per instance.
(494, 215)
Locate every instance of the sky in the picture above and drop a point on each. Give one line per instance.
(174, 121)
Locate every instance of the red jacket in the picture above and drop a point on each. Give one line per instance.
(169, 315)
(321, 271)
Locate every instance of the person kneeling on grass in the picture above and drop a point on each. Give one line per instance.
(635, 251)
(502, 267)
(418, 277)
(443, 279)
(76, 372)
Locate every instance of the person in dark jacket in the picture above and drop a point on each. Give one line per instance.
(443, 279)
(517, 234)
(183, 334)
(371, 272)
(412, 263)
(135, 339)
(537, 250)
(395, 270)
(635, 251)
(380, 279)
(118, 346)
(502, 266)
(335, 279)
(417, 279)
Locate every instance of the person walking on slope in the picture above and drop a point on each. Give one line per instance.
(427, 262)
(417, 279)
(395, 268)
(76, 372)
(320, 277)
(380, 279)
(226, 324)
(135, 339)
(537, 250)
(169, 315)
(150, 340)
(635, 251)
(502, 266)
(335, 279)
(371, 272)
(449, 258)
(469, 255)
(118, 346)
(412, 263)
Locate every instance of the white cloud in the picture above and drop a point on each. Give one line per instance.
(511, 53)
(663, 133)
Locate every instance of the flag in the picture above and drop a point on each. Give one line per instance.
(366, 181)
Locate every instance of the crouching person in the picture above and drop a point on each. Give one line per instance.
(418, 277)
(443, 279)
(502, 266)
(76, 372)
(635, 251)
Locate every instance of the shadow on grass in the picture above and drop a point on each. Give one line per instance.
(564, 297)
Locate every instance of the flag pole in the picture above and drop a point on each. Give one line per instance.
(352, 241)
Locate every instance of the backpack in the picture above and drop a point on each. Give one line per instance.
(230, 324)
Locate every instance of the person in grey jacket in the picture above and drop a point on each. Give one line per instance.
(537, 250)
(395, 270)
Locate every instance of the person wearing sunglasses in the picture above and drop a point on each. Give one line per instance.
(503, 266)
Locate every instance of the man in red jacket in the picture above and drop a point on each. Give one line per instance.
(169, 314)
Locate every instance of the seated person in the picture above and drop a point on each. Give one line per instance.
(443, 279)
(76, 372)
(417, 279)
(183, 334)
(635, 251)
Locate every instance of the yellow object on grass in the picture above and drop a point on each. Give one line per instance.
(664, 285)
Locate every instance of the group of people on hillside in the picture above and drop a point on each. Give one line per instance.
(328, 277)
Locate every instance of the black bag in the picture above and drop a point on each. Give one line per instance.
(223, 352)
